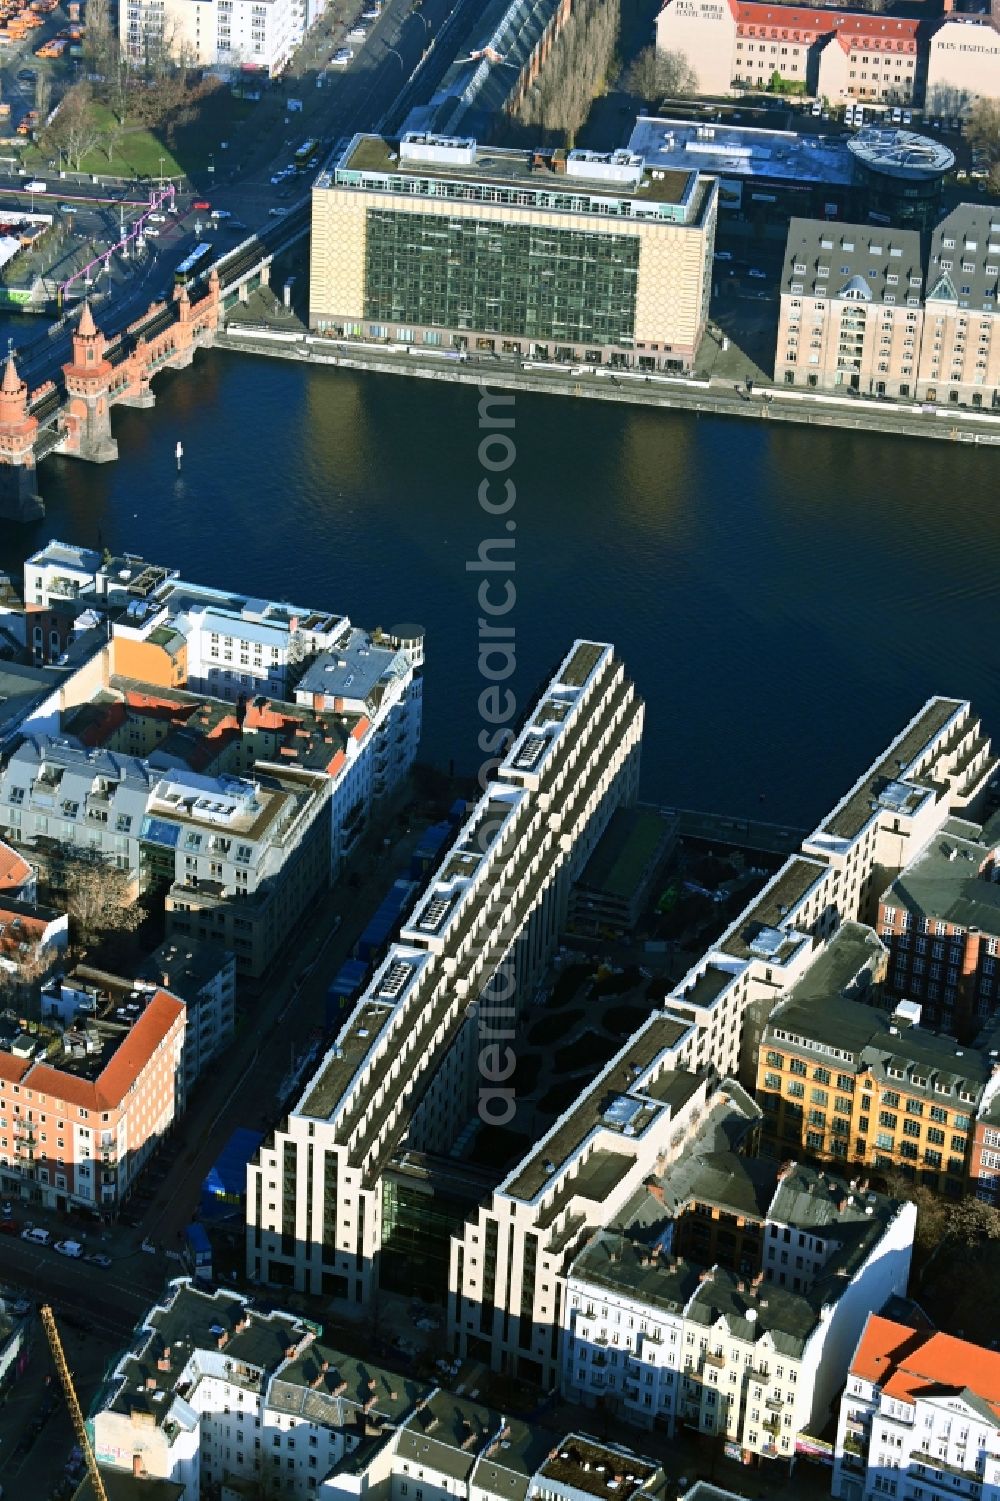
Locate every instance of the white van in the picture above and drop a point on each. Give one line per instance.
(37, 1236)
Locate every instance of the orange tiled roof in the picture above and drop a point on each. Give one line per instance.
(111, 1086)
(907, 1363)
(14, 869)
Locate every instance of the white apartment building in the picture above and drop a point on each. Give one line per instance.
(406, 1069)
(258, 35)
(238, 858)
(216, 1394)
(919, 1418)
(935, 768)
(752, 1354)
(507, 1280)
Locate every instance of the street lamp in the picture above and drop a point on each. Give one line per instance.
(397, 56)
(162, 160)
(419, 16)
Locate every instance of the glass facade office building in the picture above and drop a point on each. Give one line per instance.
(572, 256)
(516, 279)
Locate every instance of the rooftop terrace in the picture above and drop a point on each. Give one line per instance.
(553, 170)
(622, 1077)
(604, 1470)
(854, 811)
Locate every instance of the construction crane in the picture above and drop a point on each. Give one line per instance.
(79, 1427)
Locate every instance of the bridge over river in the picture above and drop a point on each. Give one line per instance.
(60, 400)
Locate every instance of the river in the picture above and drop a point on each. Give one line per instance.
(784, 598)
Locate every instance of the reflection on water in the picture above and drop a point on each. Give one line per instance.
(784, 597)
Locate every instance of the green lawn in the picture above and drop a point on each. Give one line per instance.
(137, 151)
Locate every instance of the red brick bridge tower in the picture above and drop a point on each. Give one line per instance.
(18, 430)
(86, 418)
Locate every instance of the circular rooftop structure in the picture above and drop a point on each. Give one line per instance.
(901, 154)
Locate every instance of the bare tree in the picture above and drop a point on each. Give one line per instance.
(43, 98)
(75, 131)
(119, 81)
(98, 896)
(576, 71)
(983, 127)
(656, 75)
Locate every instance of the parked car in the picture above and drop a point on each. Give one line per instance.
(71, 1248)
(201, 206)
(8, 1227)
(757, 273)
(27, 75)
(342, 57)
(36, 1235)
(98, 1258)
(68, 208)
(723, 255)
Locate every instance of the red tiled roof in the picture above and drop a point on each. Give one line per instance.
(808, 22)
(112, 1085)
(907, 1363)
(14, 869)
(13, 1070)
(361, 728)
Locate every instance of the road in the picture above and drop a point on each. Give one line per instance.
(384, 77)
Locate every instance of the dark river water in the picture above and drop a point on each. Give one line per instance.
(785, 599)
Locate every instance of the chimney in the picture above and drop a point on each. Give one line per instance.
(947, 7)
(223, 1339)
(655, 1191)
(138, 1467)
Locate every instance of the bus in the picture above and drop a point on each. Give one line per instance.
(191, 264)
(307, 154)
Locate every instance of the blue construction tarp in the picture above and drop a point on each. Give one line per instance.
(223, 1193)
(348, 982)
(432, 842)
(387, 919)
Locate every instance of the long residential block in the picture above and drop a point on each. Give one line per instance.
(425, 1049)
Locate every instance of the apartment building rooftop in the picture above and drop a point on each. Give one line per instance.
(96, 1076)
(190, 1323)
(578, 177)
(200, 730)
(630, 1257)
(848, 966)
(852, 260)
(906, 1363)
(223, 805)
(620, 1103)
(355, 669)
(449, 1434)
(595, 1468)
(964, 258)
(886, 783)
(760, 930)
(185, 968)
(322, 1384)
(905, 1057)
(955, 879)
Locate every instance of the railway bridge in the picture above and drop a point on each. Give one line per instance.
(70, 413)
